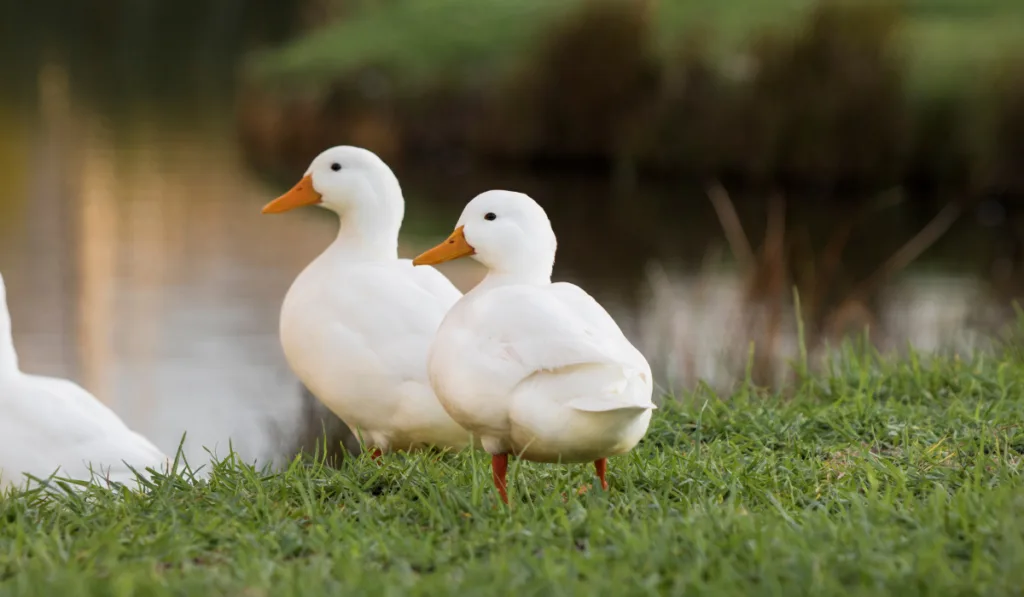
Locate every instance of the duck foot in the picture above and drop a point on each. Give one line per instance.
(601, 466)
(499, 472)
(377, 454)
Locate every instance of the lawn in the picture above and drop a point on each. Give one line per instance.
(945, 41)
(878, 477)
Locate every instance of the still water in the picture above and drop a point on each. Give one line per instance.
(138, 263)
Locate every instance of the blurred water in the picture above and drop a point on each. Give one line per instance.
(137, 261)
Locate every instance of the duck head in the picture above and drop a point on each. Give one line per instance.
(507, 232)
(355, 184)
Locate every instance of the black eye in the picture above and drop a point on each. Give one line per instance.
(489, 215)
(335, 166)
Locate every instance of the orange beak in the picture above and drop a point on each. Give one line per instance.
(452, 248)
(301, 194)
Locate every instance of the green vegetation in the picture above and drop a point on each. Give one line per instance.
(419, 39)
(877, 477)
(425, 40)
(818, 95)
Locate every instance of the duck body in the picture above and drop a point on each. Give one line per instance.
(51, 426)
(542, 372)
(358, 321)
(356, 332)
(535, 369)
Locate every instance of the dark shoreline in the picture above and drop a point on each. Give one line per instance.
(825, 112)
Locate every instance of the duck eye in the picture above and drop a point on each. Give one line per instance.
(335, 166)
(490, 216)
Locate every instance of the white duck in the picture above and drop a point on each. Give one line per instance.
(532, 368)
(357, 322)
(53, 426)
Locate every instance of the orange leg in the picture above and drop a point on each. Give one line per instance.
(376, 454)
(601, 466)
(499, 470)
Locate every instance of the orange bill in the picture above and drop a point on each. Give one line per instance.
(452, 248)
(301, 194)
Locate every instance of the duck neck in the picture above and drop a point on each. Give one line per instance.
(8, 356)
(367, 236)
(369, 229)
(530, 276)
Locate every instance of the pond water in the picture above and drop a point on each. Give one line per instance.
(138, 263)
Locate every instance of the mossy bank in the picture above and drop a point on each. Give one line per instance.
(825, 95)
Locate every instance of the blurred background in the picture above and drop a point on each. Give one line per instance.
(704, 163)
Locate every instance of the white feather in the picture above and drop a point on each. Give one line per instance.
(535, 368)
(51, 426)
(357, 322)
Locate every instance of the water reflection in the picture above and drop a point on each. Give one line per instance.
(138, 263)
(133, 269)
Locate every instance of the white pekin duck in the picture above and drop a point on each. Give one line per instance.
(357, 322)
(533, 368)
(51, 426)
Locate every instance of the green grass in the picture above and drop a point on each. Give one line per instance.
(946, 41)
(879, 477)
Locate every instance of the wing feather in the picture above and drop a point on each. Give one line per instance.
(560, 329)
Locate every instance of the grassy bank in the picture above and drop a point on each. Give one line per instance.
(876, 478)
(797, 93)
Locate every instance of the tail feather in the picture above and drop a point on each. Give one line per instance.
(600, 404)
(629, 392)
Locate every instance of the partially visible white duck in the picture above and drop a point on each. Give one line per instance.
(533, 368)
(357, 322)
(53, 426)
